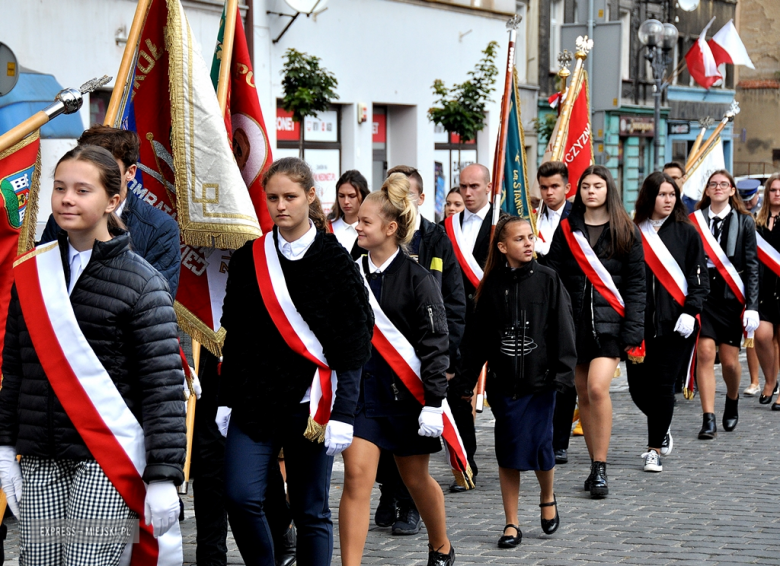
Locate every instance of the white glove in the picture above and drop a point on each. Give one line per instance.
(161, 507)
(685, 325)
(11, 478)
(750, 321)
(431, 422)
(195, 385)
(338, 437)
(223, 419)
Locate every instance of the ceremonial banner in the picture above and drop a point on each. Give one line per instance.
(187, 167)
(578, 151)
(698, 175)
(515, 199)
(20, 168)
(244, 119)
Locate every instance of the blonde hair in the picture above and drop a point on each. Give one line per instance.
(762, 218)
(396, 206)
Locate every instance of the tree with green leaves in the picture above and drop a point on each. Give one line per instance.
(308, 87)
(461, 108)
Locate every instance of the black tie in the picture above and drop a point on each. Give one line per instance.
(716, 226)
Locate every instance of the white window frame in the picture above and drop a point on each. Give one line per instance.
(556, 21)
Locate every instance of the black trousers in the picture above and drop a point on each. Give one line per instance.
(651, 383)
(464, 420)
(390, 483)
(565, 404)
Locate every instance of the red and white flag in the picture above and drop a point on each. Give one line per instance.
(701, 62)
(578, 151)
(727, 47)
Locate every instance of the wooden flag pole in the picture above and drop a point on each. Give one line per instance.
(123, 76)
(727, 117)
(231, 10)
(18, 133)
(695, 148)
(584, 45)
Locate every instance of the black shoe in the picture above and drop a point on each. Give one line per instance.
(408, 521)
(386, 511)
(766, 399)
(776, 407)
(708, 428)
(598, 485)
(549, 526)
(561, 456)
(590, 476)
(510, 541)
(284, 549)
(730, 414)
(455, 488)
(436, 558)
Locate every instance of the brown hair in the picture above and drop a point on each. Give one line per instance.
(496, 258)
(734, 200)
(410, 172)
(621, 229)
(124, 145)
(109, 174)
(396, 206)
(762, 218)
(357, 180)
(674, 165)
(552, 168)
(645, 202)
(299, 172)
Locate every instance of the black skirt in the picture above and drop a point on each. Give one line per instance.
(524, 431)
(396, 434)
(721, 319)
(590, 346)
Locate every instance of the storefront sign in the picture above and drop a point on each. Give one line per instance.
(286, 129)
(679, 127)
(323, 127)
(641, 126)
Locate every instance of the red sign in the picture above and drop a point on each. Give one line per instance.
(455, 138)
(379, 128)
(286, 129)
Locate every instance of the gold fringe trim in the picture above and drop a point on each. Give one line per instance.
(27, 232)
(688, 393)
(464, 479)
(749, 343)
(192, 325)
(617, 372)
(314, 431)
(220, 240)
(635, 359)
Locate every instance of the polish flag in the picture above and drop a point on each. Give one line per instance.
(727, 47)
(701, 63)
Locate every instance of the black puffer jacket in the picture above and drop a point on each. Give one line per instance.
(126, 313)
(628, 273)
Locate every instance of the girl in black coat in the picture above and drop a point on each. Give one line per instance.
(523, 328)
(724, 316)
(603, 335)
(768, 333)
(125, 314)
(670, 328)
(389, 417)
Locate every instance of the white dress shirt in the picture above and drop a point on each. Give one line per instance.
(119, 209)
(548, 223)
(345, 233)
(374, 269)
(78, 262)
(297, 249)
(722, 215)
(472, 222)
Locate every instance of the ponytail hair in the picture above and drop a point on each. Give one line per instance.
(396, 206)
(496, 258)
(299, 172)
(109, 174)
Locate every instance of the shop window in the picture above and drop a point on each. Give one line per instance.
(556, 21)
(450, 157)
(98, 104)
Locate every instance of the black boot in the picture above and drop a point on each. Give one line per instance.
(708, 428)
(284, 549)
(590, 476)
(598, 485)
(730, 414)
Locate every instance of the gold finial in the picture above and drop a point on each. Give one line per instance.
(584, 46)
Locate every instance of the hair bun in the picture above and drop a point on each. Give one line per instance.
(396, 187)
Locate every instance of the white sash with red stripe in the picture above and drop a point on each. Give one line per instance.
(662, 263)
(88, 394)
(718, 257)
(465, 256)
(768, 255)
(400, 355)
(296, 333)
(591, 266)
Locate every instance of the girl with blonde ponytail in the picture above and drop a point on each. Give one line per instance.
(388, 415)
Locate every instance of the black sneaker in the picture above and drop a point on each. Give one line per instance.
(436, 558)
(408, 521)
(668, 444)
(561, 456)
(386, 512)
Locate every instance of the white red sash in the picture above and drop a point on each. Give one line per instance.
(400, 355)
(296, 333)
(592, 267)
(465, 256)
(718, 257)
(768, 255)
(88, 394)
(662, 263)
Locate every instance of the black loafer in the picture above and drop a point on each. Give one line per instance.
(549, 526)
(561, 456)
(776, 407)
(511, 541)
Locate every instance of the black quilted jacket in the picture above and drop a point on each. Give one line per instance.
(126, 314)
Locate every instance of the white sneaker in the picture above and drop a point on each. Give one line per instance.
(751, 390)
(652, 461)
(668, 444)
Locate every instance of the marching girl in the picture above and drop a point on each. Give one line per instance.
(454, 203)
(91, 395)
(768, 333)
(597, 251)
(296, 312)
(402, 395)
(728, 234)
(523, 328)
(676, 288)
(351, 190)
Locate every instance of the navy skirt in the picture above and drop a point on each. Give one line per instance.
(396, 434)
(524, 431)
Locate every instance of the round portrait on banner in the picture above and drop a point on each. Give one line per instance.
(250, 147)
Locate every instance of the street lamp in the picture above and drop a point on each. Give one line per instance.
(659, 39)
